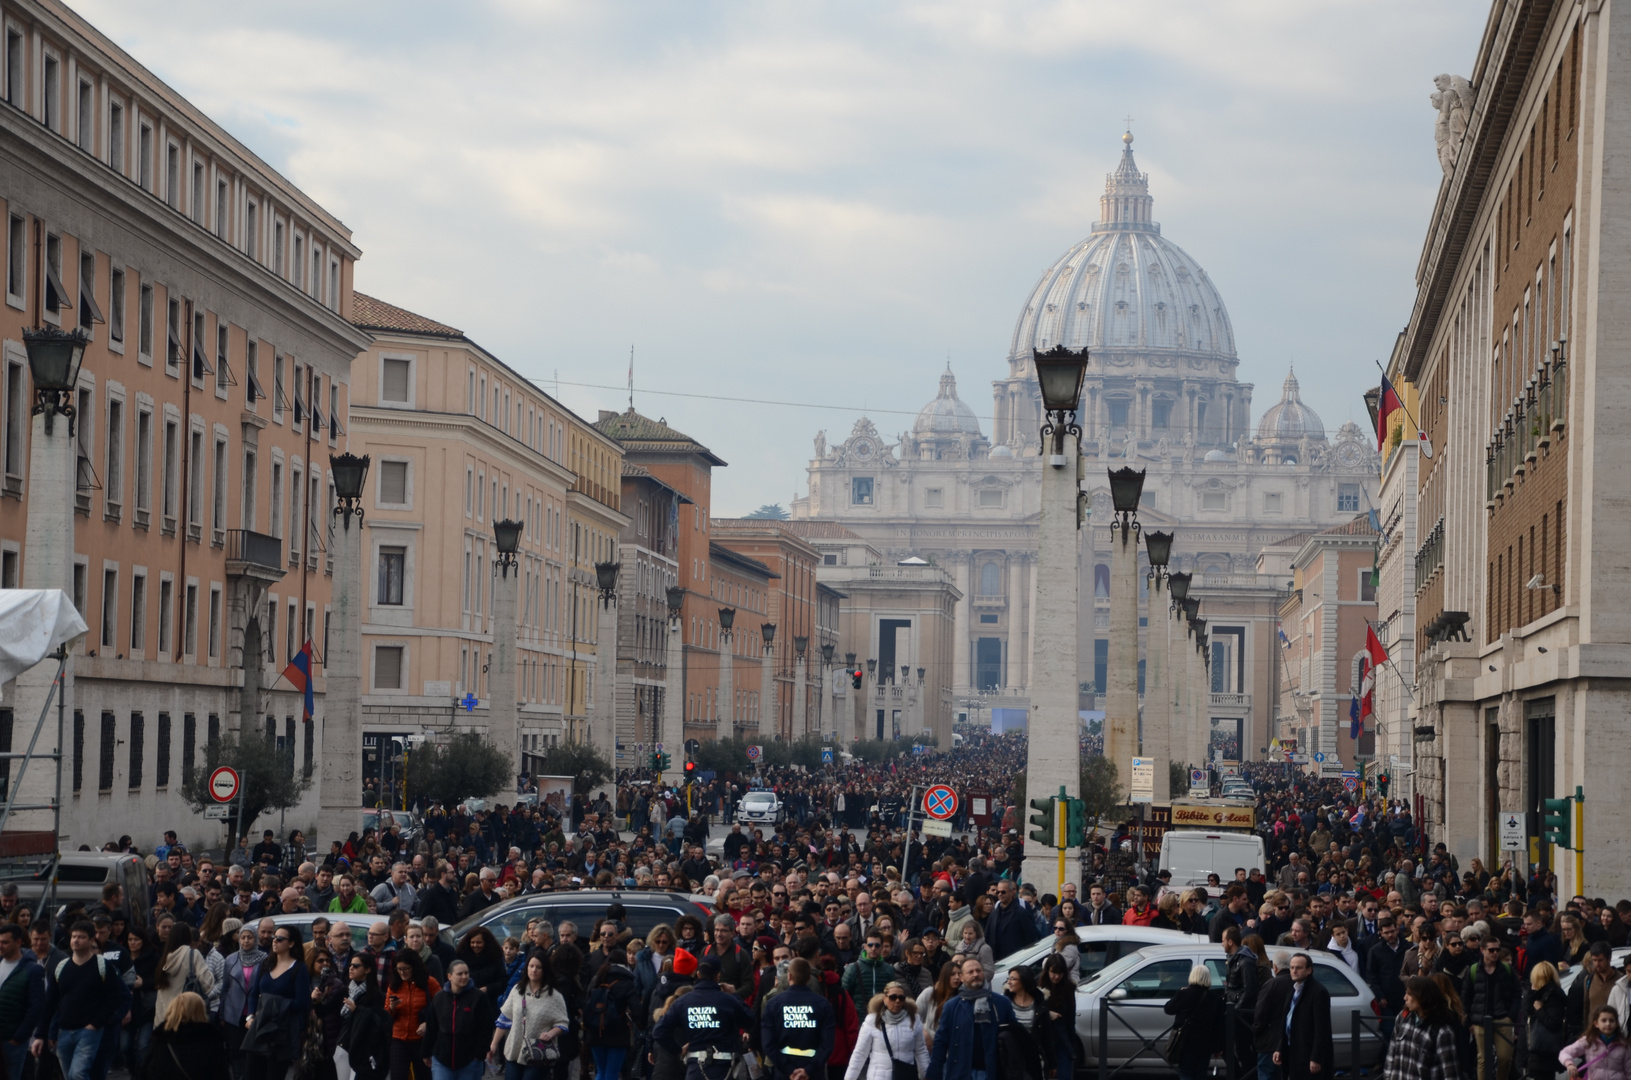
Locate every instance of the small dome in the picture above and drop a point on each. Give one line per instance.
(1290, 421)
(1216, 455)
(946, 415)
(1001, 451)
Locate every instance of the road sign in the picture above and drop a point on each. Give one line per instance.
(917, 749)
(224, 784)
(936, 828)
(1319, 756)
(826, 755)
(1513, 836)
(216, 813)
(1143, 788)
(940, 802)
(754, 753)
(1351, 783)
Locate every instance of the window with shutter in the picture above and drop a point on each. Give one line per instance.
(394, 385)
(388, 667)
(393, 482)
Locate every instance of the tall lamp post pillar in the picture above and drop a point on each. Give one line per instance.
(672, 732)
(725, 707)
(502, 727)
(845, 722)
(603, 728)
(1158, 731)
(801, 707)
(342, 668)
(1053, 755)
(769, 707)
(1178, 669)
(1121, 698)
(48, 560)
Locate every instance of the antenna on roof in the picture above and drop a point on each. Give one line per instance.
(631, 378)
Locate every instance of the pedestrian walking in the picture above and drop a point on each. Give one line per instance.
(1424, 1038)
(891, 1035)
(1306, 1051)
(1197, 1025)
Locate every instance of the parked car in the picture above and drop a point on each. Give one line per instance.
(1192, 854)
(759, 808)
(406, 822)
(1616, 961)
(1137, 987)
(357, 924)
(509, 918)
(81, 875)
(1097, 947)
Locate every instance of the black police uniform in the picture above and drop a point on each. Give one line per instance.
(709, 1024)
(798, 1032)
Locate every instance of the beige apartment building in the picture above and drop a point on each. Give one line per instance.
(188, 517)
(459, 440)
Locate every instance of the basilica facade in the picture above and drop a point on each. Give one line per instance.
(1161, 394)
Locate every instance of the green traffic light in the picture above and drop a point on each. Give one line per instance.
(1557, 822)
(1044, 821)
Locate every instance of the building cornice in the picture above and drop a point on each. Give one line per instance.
(459, 427)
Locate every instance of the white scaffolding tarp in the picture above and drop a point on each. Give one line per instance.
(33, 623)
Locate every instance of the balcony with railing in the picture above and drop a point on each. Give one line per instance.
(253, 554)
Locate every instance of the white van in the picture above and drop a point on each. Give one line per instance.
(1193, 854)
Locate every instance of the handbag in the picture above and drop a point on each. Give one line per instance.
(900, 1070)
(1175, 1046)
(539, 1050)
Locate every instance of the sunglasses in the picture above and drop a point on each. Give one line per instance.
(894, 997)
(874, 944)
(285, 940)
(1061, 929)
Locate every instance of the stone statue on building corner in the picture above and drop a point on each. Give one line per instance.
(821, 444)
(1453, 99)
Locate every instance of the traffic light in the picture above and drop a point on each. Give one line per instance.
(656, 760)
(1044, 821)
(855, 678)
(1075, 823)
(1382, 781)
(1557, 822)
(690, 768)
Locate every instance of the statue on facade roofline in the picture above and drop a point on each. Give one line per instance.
(1454, 100)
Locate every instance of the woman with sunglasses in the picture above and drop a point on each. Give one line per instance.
(327, 992)
(891, 1032)
(1065, 947)
(1058, 992)
(281, 988)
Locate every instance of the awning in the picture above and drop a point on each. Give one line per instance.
(33, 622)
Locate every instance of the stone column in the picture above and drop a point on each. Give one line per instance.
(961, 676)
(1158, 729)
(603, 726)
(342, 673)
(672, 731)
(801, 706)
(769, 706)
(1053, 756)
(725, 704)
(501, 712)
(1121, 680)
(48, 563)
(1013, 673)
(1177, 696)
(1201, 684)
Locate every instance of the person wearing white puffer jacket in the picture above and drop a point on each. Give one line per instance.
(891, 1032)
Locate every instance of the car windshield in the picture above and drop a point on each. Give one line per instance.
(759, 797)
(1113, 972)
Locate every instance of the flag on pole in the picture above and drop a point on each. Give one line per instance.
(1385, 407)
(1373, 646)
(1355, 725)
(299, 673)
(1426, 444)
(1367, 688)
(1285, 642)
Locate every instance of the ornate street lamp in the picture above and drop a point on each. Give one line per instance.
(1178, 583)
(727, 619)
(1059, 373)
(1192, 608)
(849, 660)
(350, 475)
(606, 579)
(906, 673)
(800, 643)
(1126, 488)
(676, 601)
(920, 673)
(54, 357)
(506, 537)
(1159, 546)
(768, 632)
(871, 668)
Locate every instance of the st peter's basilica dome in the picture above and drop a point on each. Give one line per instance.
(1290, 421)
(947, 414)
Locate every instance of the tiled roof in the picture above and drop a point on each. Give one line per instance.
(371, 313)
(637, 432)
(1359, 526)
(821, 530)
(726, 555)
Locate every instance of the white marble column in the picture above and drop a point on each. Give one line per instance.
(342, 674)
(961, 676)
(1016, 642)
(672, 732)
(801, 705)
(1053, 755)
(725, 703)
(1121, 681)
(48, 563)
(1158, 739)
(501, 712)
(1201, 687)
(769, 707)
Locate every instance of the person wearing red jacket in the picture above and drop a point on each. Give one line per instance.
(1140, 912)
(849, 1023)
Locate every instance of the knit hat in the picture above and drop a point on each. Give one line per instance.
(684, 963)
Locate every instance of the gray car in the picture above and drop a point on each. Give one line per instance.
(1096, 948)
(1137, 987)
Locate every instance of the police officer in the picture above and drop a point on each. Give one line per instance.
(707, 1025)
(798, 1028)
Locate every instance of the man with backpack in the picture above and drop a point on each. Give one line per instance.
(22, 998)
(84, 997)
(1490, 993)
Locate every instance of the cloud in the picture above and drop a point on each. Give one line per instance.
(821, 203)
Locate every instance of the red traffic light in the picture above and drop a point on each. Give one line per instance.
(690, 766)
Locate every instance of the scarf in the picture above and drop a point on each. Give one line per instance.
(353, 991)
(981, 1000)
(896, 1019)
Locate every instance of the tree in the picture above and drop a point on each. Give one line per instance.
(1096, 787)
(584, 762)
(723, 755)
(269, 780)
(805, 752)
(769, 512)
(1177, 778)
(467, 766)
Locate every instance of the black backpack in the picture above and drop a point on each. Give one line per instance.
(602, 1019)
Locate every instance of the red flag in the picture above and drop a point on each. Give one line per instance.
(1373, 646)
(1385, 407)
(299, 673)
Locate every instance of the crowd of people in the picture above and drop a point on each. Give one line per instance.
(835, 945)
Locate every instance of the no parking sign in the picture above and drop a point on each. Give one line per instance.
(940, 802)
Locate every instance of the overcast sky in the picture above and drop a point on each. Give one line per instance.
(822, 203)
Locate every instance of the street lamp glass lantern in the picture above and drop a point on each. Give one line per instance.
(507, 535)
(1126, 488)
(800, 643)
(849, 660)
(54, 357)
(768, 632)
(676, 600)
(1159, 546)
(350, 473)
(872, 667)
(1192, 607)
(1059, 373)
(606, 575)
(1179, 584)
(826, 653)
(727, 618)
